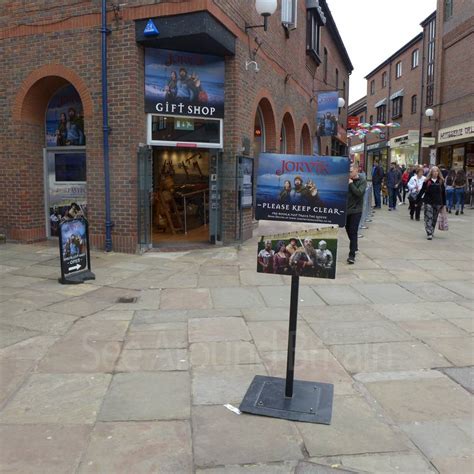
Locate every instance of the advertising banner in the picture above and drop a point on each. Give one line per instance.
(179, 83)
(65, 119)
(352, 122)
(327, 115)
(298, 188)
(246, 175)
(310, 253)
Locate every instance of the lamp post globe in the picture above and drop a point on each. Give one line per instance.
(266, 7)
(429, 113)
(341, 102)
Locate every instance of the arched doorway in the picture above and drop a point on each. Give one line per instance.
(27, 217)
(287, 137)
(305, 140)
(264, 133)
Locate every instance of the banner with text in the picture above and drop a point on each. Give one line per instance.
(328, 113)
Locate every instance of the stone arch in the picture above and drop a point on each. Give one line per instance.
(305, 142)
(289, 125)
(265, 106)
(34, 94)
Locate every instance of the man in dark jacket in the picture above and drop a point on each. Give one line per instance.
(394, 178)
(377, 178)
(355, 203)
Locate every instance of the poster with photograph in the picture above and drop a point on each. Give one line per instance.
(298, 188)
(73, 235)
(310, 253)
(65, 119)
(327, 115)
(179, 83)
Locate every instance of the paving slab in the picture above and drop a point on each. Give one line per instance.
(317, 365)
(139, 448)
(387, 356)
(252, 278)
(166, 316)
(384, 293)
(428, 399)
(451, 465)
(464, 376)
(439, 439)
(168, 339)
(463, 288)
(374, 275)
(287, 467)
(434, 328)
(464, 324)
(273, 336)
(12, 334)
(216, 281)
(36, 448)
(217, 329)
(355, 428)
(145, 299)
(430, 291)
(44, 321)
(340, 295)
(12, 375)
(458, 350)
(403, 463)
(236, 298)
(221, 437)
(87, 330)
(280, 297)
(340, 313)
(266, 314)
(80, 306)
(214, 385)
(33, 348)
(353, 332)
(218, 270)
(57, 398)
(413, 275)
(112, 315)
(152, 360)
(198, 298)
(147, 396)
(223, 353)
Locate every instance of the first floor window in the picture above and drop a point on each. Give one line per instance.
(415, 57)
(381, 111)
(429, 94)
(413, 104)
(397, 107)
(398, 69)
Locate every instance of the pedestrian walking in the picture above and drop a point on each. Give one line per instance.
(459, 191)
(355, 203)
(414, 187)
(404, 185)
(433, 195)
(377, 179)
(450, 190)
(384, 191)
(394, 178)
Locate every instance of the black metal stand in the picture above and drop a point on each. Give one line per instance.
(290, 399)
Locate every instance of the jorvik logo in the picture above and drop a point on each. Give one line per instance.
(316, 167)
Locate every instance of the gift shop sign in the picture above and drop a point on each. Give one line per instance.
(458, 132)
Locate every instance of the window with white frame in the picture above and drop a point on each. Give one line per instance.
(415, 58)
(315, 20)
(384, 79)
(289, 9)
(398, 70)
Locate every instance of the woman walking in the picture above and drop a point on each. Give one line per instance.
(450, 189)
(433, 194)
(459, 191)
(414, 187)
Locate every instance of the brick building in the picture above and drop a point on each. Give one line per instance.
(171, 168)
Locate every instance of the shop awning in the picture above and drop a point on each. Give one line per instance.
(380, 103)
(399, 93)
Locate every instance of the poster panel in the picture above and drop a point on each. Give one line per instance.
(327, 115)
(298, 188)
(180, 83)
(246, 175)
(65, 119)
(310, 253)
(73, 246)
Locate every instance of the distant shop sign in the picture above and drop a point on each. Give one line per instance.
(458, 132)
(376, 146)
(427, 142)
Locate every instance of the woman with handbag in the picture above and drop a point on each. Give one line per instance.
(414, 187)
(433, 195)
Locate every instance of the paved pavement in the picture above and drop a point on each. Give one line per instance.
(91, 385)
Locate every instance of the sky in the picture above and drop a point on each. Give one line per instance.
(373, 30)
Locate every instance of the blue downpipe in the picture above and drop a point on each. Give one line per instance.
(105, 129)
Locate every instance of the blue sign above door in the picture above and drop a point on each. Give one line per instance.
(150, 29)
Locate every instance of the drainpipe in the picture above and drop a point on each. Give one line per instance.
(420, 151)
(105, 128)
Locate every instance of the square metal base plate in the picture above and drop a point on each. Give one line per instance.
(77, 278)
(311, 401)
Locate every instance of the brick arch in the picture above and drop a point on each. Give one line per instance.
(37, 89)
(264, 101)
(289, 124)
(305, 139)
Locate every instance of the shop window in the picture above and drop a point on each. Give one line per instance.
(398, 70)
(413, 104)
(372, 87)
(448, 9)
(315, 20)
(415, 58)
(289, 9)
(397, 107)
(384, 79)
(325, 65)
(381, 114)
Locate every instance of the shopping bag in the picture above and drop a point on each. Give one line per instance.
(443, 220)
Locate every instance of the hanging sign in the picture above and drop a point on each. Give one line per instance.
(74, 251)
(246, 181)
(297, 188)
(310, 253)
(327, 115)
(151, 29)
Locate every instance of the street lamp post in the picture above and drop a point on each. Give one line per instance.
(266, 8)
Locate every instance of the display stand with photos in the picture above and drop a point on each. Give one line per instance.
(319, 197)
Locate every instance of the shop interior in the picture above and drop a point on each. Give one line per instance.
(180, 195)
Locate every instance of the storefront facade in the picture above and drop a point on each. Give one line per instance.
(404, 149)
(456, 147)
(189, 111)
(377, 152)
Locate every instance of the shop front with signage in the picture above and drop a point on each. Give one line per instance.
(377, 152)
(404, 148)
(456, 147)
(356, 154)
